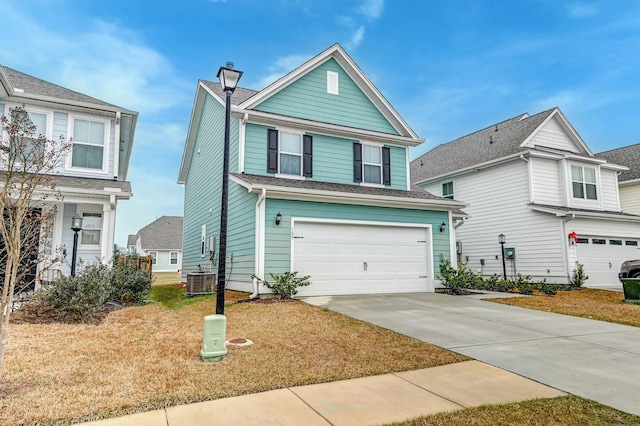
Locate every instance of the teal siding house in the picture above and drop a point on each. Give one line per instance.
(319, 184)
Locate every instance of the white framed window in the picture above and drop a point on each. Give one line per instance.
(372, 164)
(583, 182)
(42, 120)
(90, 139)
(174, 258)
(447, 190)
(290, 153)
(154, 257)
(91, 229)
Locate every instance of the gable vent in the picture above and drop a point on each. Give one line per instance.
(332, 82)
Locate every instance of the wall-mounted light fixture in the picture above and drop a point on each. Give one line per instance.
(443, 226)
(278, 218)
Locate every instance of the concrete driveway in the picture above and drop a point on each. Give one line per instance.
(593, 359)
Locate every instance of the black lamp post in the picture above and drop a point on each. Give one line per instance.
(502, 239)
(228, 80)
(76, 226)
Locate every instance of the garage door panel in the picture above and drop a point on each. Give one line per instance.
(602, 262)
(359, 259)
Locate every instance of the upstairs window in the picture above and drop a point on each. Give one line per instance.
(289, 153)
(447, 190)
(33, 124)
(88, 144)
(371, 164)
(583, 180)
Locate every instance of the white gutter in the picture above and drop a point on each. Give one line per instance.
(259, 252)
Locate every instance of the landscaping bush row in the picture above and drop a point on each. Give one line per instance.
(459, 281)
(81, 298)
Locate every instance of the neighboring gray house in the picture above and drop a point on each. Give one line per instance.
(162, 240)
(533, 179)
(628, 180)
(93, 179)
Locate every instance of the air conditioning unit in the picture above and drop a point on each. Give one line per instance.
(201, 283)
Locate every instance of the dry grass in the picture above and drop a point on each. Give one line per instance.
(143, 358)
(563, 411)
(603, 305)
(166, 278)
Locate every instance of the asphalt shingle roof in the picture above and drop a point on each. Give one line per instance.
(415, 193)
(626, 156)
(165, 233)
(35, 86)
(496, 141)
(237, 97)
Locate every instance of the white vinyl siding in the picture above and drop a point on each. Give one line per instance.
(535, 236)
(551, 135)
(609, 190)
(546, 180)
(630, 198)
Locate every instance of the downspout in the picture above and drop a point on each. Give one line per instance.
(259, 252)
(565, 237)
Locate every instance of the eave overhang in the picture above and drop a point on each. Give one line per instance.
(306, 194)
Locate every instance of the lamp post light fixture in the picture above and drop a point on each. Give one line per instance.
(502, 239)
(229, 78)
(76, 226)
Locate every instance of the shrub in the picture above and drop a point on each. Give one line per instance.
(285, 285)
(524, 284)
(81, 298)
(456, 280)
(578, 277)
(129, 285)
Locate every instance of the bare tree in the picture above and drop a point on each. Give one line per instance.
(28, 167)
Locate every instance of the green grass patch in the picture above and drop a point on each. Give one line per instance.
(174, 297)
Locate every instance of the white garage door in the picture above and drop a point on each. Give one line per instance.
(361, 258)
(602, 256)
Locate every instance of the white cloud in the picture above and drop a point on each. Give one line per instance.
(356, 38)
(371, 8)
(280, 67)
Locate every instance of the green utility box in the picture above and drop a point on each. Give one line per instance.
(631, 287)
(213, 343)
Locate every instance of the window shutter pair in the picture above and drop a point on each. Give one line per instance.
(357, 164)
(272, 153)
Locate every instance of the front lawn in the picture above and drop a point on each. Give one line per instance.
(603, 305)
(142, 358)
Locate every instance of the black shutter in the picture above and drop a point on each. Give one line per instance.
(272, 151)
(386, 166)
(307, 156)
(357, 162)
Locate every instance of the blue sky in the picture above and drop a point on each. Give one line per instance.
(448, 67)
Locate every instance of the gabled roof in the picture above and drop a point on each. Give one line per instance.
(343, 193)
(492, 143)
(627, 156)
(337, 53)
(165, 233)
(23, 88)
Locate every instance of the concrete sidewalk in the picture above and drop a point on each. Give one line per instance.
(365, 401)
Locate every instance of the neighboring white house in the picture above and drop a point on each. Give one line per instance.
(533, 179)
(162, 240)
(628, 180)
(92, 181)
